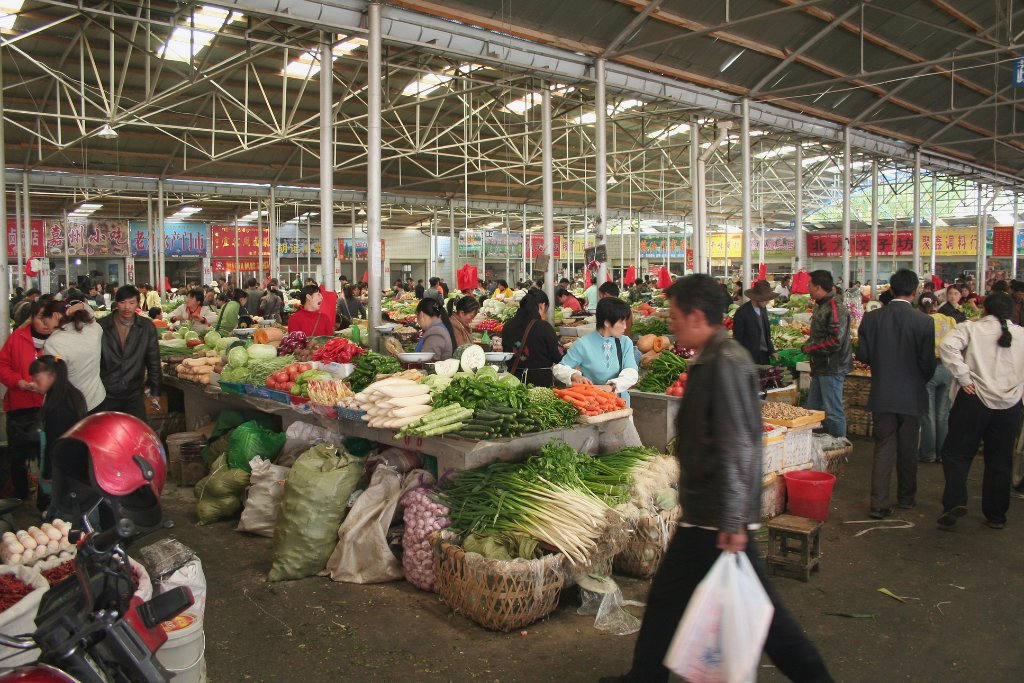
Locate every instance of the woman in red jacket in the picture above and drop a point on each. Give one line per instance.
(317, 316)
(23, 398)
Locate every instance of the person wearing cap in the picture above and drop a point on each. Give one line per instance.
(750, 326)
(935, 421)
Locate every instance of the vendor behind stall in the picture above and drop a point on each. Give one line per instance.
(461, 314)
(194, 311)
(533, 341)
(316, 317)
(603, 357)
(438, 336)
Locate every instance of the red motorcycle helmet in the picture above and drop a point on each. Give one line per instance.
(111, 458)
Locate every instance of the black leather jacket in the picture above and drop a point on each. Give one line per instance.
(720, 449)
(829, 345)
(125, 373)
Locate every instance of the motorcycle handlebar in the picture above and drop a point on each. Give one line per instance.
(105, 540)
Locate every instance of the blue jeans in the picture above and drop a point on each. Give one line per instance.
(826, 394)
(935, 422)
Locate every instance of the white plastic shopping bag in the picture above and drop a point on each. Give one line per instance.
(722, 632)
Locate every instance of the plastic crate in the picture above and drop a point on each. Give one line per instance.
(350, 414)
(232, 388)
(269, 394)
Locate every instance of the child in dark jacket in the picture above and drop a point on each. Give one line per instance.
(63, 407)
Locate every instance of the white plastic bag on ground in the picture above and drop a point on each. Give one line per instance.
(189, 575)
(363, 554)
(21, 617)
(722, 632)
(263, 498)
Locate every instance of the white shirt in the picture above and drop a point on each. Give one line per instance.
(782, 290)
(972, 354)
(81, 351)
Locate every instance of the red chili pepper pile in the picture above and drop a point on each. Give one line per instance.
(338, 350)
(60, 573)
(12, 589)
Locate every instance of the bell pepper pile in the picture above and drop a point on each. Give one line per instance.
(338, 350)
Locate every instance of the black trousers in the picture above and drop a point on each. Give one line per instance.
(689, 558)
(133, 405)
(896, 441)
(22, 446)
(971, 422)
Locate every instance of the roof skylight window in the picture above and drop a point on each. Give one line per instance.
(307, 64)
(197, 30)
(531, 100)
(612, 109)
(429, 83)
(9, 13)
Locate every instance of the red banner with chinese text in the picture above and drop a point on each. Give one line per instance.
(37, 233)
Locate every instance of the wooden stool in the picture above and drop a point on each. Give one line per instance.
(794, 546)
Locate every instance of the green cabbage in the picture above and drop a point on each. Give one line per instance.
(211, 338)
(262, 351)
(238, 357)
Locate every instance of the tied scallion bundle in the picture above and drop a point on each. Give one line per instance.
(560, 497)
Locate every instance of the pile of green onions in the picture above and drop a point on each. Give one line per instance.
(560, 497)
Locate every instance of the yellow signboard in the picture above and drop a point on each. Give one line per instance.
(578, 245)
(717, 242)
(950, 241)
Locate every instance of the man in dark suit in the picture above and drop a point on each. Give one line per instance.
(750, 323)
(898, 342)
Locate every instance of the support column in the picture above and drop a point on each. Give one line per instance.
(745, 189)
(453, 246)
(5, 289)
(1016, 197)
(798, 219)
(26, 217)
(696, 199)
(917, 212)
(67, 257)
(151, 237)
(373, 258)
(979, 275)
(846, 207)
(158, 254)
(932, 249)
(352, 216)
(874, 229)
(601, 180)
(526, 248)
(238, 266)
(330, 279)
(259, 242)
(19, 238)
(548, 201)
(275, 268)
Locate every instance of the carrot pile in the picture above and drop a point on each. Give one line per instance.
(590, 400)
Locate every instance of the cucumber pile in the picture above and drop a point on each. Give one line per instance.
(493, 421)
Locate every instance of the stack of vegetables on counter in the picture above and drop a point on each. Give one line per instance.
(368, 366)
(200, 370)
(589, 400)
(438, 421)
(662, 372)
(492, 421)
(394, 402)
(338, 350)
(559, 497)
(328, 392)
(549, 410)
(253, 365)
(483, 387)
(655, 326)
(295, 378)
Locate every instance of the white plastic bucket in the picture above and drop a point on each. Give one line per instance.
(184, 653)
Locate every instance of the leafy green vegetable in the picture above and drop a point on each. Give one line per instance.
(368, 366)
(650, 325)
(551, 411)
(472, 391)
(662, 372)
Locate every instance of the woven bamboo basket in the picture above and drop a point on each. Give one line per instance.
(856, 391)
(859, 422)
(647, 544)
(498, 595)
(836, 458)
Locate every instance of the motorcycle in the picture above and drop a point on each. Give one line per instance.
(91, 628)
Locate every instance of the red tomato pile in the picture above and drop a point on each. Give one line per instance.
(678, 388)
(489, 325)
(284, 379)
(338, 350)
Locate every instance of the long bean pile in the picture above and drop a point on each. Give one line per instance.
(559, 497)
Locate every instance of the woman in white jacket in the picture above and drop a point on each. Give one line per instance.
(986, 361)
(77, 342)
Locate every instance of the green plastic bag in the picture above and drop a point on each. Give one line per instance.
(315, 503)
(251, 440)
(228, 420)
(219, 494)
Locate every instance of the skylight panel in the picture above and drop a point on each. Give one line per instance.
(590, 117)
(531, 100)
(9, 13)
(307, 64)
(196, 31)
(429, 83)
(785, 150)
(665, 133)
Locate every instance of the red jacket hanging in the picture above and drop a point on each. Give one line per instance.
(800, 282)
(664, 279)
(630, 277)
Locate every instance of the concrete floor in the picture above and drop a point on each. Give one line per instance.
(961, 619)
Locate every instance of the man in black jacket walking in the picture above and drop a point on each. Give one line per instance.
(750, 325)
(898, 342)
(719, 488)
(130, 357)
